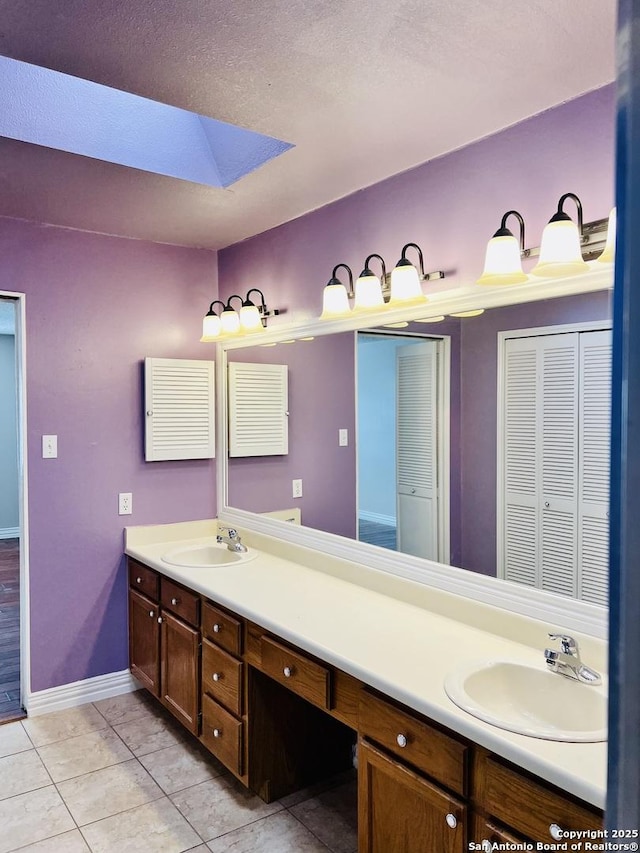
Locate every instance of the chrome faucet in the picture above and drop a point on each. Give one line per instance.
(232, 539)
(567, 661)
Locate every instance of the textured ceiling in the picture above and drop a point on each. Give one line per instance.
(363, 88)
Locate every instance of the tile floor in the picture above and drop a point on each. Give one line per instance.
(120, 775)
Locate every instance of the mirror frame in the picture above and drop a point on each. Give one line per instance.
(570, 614)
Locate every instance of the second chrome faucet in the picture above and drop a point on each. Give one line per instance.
(566, 661)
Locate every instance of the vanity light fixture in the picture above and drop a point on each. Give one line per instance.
(406, 281)
(211, 325)
(253, 318)
(250, 319)
(230, 319)
(369, 287)
(474, 312)
(609, 253)
(561, 245)
(335, 298)
(503, 258)
(437, 319)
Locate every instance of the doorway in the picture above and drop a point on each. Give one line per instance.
(10, 511)
(402, 440)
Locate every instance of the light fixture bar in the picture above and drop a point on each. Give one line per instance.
(593, 240)
(435, 275)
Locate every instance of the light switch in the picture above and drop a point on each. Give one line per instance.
(343, 437)
(49, 446)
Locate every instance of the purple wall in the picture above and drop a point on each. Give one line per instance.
(318, 408)
(96, 306)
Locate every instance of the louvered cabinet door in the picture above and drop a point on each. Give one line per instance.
(595, 434)
(258, 403)
(179, 409)
(417, 449)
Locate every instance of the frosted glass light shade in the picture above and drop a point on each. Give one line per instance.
(250, 320)
(560, 253)
(368, 293)
(502, 263)
(608, 256)
(474, 312)
(230, 322)
(405, 285)
(335, 302)
(211, 328)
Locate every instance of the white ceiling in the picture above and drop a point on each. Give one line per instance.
(363, 88)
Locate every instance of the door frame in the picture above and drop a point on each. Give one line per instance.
(19, 299)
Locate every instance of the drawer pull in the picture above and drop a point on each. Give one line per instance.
(174, 601)
(287, 671)
(555, 832)
(217, 628)
(151, 613)
(452, 820)
(401, 740)
(216, 676)
(160, 619)
(138, 580)
(217, 732)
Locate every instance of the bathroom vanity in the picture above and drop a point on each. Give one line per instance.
(279, 669)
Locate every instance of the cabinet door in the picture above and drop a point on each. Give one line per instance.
(144, 641)
(401, 811)
(180, 670)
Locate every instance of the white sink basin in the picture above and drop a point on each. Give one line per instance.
(206, 556)
(530, 701)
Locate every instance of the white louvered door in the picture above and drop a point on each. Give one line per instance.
(555, 450)
(258, 403)
(179, 409)
(417, 449)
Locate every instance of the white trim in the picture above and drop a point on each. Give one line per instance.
(10, 533)
(568, 613)
(377, 518)
(444, 450)
(80, 692)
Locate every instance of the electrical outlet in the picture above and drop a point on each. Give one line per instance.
(49, 446)
(296, 488)
(343, 437)
(125, 503)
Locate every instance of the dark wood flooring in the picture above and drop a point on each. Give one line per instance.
(10, 708)
(375, 533)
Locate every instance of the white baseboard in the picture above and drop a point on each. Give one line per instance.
(79, 692)
(9, 532)
(389, 520)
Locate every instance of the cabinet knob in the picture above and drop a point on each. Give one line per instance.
(288, 672)
(217, 628)
(216, 676)
(159, 618)
(547, 504)
(174, 601)
(451, 820)
(138, 580)
(151, 613)
(555, 832)
(413, 491)
(401, 740)
(217, 732)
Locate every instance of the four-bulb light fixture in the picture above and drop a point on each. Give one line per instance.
(251, 318)
(399, 289)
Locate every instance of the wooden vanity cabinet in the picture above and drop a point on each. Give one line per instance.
(144, 641)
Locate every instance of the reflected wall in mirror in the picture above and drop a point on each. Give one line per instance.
(323, 401)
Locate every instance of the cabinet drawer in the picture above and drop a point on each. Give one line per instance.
(180, 601)
(222, 734)
(438, 754)
(222, 629)
(222, 677)
(304, 676)
(144, 579)
(528, 807)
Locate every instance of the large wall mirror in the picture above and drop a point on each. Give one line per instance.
(480, 442)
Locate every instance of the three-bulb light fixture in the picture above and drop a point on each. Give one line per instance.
(249, 319)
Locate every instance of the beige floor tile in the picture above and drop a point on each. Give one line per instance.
(221, 805)
(332, 817)
(149, 734)
(13, 738)
(83, 754)
(22, 772)
(32, 817)
(126, 708)
(108, 791)
(180, 766)
(280, 832)
(68, 842)
(156, 827)
(50, 728)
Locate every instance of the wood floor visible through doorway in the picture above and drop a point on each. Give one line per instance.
(10, 708)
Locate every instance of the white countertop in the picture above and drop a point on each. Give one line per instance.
(401, 648)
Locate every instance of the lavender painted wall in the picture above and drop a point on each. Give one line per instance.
(95, 307)
(321, 401)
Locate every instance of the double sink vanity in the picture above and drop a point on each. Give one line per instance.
(286, 663)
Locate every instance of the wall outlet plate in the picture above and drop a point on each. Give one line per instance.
(49, 446)
(125, 503)
(296, 488)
